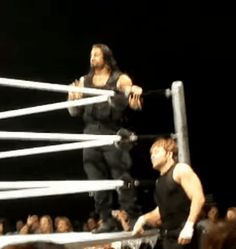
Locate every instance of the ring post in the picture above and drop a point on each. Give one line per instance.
(180, 121)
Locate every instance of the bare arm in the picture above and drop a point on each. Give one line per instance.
(191, 184)
(188, 179)
(152, 218)
(133, 92)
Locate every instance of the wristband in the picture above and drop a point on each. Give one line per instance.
(187, 231)
(141, 220)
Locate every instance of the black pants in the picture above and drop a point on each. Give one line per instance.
(109, 162)
(170, 241)
(172, 244)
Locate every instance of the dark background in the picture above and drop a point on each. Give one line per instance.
(156, 44)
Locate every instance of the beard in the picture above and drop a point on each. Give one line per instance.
(97, 66)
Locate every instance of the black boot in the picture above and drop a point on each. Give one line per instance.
(107, 226)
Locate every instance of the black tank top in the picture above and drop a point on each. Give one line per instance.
(105, 115)
(174, 204)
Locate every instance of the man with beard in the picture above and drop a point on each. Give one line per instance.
(108, 162)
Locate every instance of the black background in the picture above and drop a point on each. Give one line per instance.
(156, 44)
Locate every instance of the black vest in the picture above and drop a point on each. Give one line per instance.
(106, 114)
(174, 204)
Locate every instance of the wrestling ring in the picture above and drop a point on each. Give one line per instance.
(28, 189)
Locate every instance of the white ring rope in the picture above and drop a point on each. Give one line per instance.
(42, 136)
(112, 184)
(53, 87)
(52, 107)
(85, 239)
(47, 188)
(56, 148)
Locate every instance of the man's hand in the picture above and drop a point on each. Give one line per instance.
(123, 217)
(75, 95)
(186, 233)
(135, 101)
(138, 227)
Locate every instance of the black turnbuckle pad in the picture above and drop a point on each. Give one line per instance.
(127, 139)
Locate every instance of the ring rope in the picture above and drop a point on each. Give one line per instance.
(112, 184)
(43, 136)
(52, 107)
(47, 188)
(85, 239)
(161, 92)
(53, 87)
(57, 148)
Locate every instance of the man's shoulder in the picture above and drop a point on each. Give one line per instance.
(182, 168)
(124, 76)
(123, 80)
